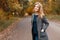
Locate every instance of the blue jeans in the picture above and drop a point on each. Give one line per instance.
(35, 36)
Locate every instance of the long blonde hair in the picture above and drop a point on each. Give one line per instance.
(41, 13)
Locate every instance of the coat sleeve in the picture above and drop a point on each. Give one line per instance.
(45, 23)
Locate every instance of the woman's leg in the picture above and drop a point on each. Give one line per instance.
(36, 37)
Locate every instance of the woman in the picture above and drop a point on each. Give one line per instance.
(39, 23)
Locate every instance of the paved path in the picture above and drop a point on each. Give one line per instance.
(23, 30)
(53, 31)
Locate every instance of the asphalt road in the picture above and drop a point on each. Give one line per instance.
(23, 30)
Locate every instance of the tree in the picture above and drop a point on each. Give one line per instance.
(24, 4)
(4, 5)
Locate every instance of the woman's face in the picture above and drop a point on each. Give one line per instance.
(36, 8)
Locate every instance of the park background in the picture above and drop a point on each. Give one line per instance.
(12, 10)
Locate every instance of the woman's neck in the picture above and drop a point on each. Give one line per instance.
(39, 15)
(36, 13)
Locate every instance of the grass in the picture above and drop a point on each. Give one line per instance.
(5, 23)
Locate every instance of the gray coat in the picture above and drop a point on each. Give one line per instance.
(42, 23)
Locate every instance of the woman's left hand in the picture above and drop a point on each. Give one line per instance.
(42, 30)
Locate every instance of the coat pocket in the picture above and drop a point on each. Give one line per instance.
(42, 34)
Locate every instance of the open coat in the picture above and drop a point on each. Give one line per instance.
(41, 23)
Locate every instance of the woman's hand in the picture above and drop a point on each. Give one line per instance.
(42, 30)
